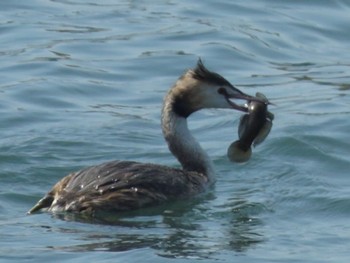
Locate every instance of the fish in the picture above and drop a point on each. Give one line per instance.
(253, 129)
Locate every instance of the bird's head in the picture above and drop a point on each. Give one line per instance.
(200, 88)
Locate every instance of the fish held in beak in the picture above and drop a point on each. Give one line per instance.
(253, 128)
(237, 94)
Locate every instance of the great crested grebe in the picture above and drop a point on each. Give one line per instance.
(125, 185)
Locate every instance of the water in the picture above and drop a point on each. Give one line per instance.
(82, 83)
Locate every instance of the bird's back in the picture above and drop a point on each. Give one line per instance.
(120, 186)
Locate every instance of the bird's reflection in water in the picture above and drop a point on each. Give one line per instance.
(245, 225)
(180, 231)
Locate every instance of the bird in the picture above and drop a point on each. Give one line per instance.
(118, 186)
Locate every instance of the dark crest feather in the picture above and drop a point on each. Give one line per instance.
(203, 74)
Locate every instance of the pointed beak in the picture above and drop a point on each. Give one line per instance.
(241, 96)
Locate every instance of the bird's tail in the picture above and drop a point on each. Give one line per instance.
(44, 202)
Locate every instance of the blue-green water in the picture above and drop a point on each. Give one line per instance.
(82, 82)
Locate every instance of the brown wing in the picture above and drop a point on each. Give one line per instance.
(120, 186)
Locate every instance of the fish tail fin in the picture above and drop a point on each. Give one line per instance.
(237, 153)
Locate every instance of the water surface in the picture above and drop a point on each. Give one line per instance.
(82, 82)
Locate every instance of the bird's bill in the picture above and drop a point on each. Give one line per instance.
(242, 96)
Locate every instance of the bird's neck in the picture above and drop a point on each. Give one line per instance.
(182, 144)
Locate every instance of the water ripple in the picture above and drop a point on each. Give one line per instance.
(83, 82)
